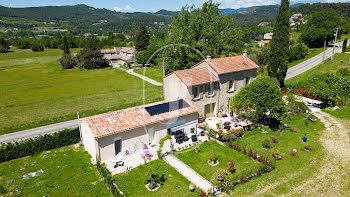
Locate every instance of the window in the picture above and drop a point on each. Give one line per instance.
(231, 86)
(195, 92)
(247, 80)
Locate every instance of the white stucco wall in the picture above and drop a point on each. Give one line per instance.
(88, 140)
(136, 136)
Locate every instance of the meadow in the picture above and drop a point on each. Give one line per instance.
(35, 91)
(67, 171)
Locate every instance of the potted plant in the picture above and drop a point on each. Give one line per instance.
(191, 187)
(276, 154)
(197, 149)
(218, 125)
(213, 160)
(274, 139)
(304, 138)
(307, 148)
(231, 167)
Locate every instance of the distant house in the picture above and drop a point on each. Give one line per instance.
(262, 43)
(210, 84)
(120, 56)
(268, 36)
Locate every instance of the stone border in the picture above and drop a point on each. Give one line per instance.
(215, 164)
(152, 190)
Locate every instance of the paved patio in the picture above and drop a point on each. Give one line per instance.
(134, 159)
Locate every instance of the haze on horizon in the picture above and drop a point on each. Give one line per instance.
(150, 5)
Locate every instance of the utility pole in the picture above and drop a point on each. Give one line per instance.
(163, 73)
(324, 51)
(335, 41)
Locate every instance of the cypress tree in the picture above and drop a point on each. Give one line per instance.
(279, 48)
(345, 44)
(65, 45)
(142, 38)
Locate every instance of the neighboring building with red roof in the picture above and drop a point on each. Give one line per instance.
(211, 83)
(106, 135)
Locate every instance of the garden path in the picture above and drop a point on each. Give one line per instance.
(188, 173)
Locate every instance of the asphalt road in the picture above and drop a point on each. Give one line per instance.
(292, 72)
(312, 62)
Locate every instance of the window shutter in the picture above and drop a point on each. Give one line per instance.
(206, 89)
(228, 86)
(201, 91)
(215, 88)
(192, 93)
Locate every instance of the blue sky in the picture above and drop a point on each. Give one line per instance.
(149, 5)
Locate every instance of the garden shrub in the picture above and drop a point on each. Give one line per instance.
(2, 190)
(295, 107)
(67, 61)
(231, 167)
(30, 146)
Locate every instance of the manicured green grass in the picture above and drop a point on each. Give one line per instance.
(344, 113)
(154, 72)
(312, 53)
(38, 92)
(133, 183)
(67, 172)
(289, 171)
(340, 61)
(199, 161)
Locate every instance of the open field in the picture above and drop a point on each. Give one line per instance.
(289, 171)
(199, 161)
(36, 91)
(154, 72)
(312, 53)
(133, 183)
(340, 61)
(67, 171)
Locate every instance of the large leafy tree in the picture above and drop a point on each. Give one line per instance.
(142, 38)
(260, 99)
(204, 29)
(4, 46)
(320, 28)
(279, 48)
(90, 57)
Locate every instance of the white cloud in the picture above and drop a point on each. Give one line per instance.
(127, 7)
(117, 9)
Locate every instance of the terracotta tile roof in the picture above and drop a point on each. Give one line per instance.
(195, 76)
(231, 64)
(114, 57)
(128, 50)
(131, 118)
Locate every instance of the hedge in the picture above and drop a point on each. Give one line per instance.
(101, 168)
(30, 146)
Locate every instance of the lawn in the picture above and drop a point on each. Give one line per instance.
(199, 161)
(67, 171)
(312, 53)
(133, 183)
(289, 171)
(344, 113)
(154, 72)
(36, 91)
(340, 61)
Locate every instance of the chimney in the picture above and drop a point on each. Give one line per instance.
(245, 53)
(208, 58)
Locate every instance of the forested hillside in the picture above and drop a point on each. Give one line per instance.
(342, 9)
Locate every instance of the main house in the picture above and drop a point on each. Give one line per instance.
(211, 83)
